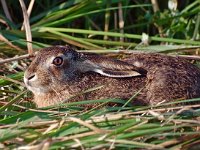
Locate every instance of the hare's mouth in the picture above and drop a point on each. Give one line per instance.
(37, 89)
(34, 87)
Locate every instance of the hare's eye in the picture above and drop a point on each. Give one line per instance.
(58, 61)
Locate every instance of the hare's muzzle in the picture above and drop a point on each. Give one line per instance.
(29, 78)
(33, 83)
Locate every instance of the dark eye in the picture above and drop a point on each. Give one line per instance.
(58, 61)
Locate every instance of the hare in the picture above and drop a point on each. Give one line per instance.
(61, 74)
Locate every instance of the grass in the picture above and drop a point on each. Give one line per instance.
(71, 126)
(94, 26)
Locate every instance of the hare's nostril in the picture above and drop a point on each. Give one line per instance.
(31, 77)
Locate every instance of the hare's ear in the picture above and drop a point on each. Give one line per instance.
(117, 74)
(109, 67)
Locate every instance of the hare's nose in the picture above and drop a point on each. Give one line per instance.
(31, 77)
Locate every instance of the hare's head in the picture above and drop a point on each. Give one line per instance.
(55, 66)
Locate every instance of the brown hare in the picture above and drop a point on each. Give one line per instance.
(61, 74)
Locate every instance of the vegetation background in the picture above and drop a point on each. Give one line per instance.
(102, 26)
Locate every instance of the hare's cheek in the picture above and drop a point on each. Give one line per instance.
(57, 73)
(43, 79)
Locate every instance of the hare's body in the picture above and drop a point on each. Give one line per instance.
(89, 77)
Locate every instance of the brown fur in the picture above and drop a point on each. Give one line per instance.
(167, 78)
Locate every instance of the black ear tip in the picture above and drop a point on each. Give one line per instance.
(142, 71)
